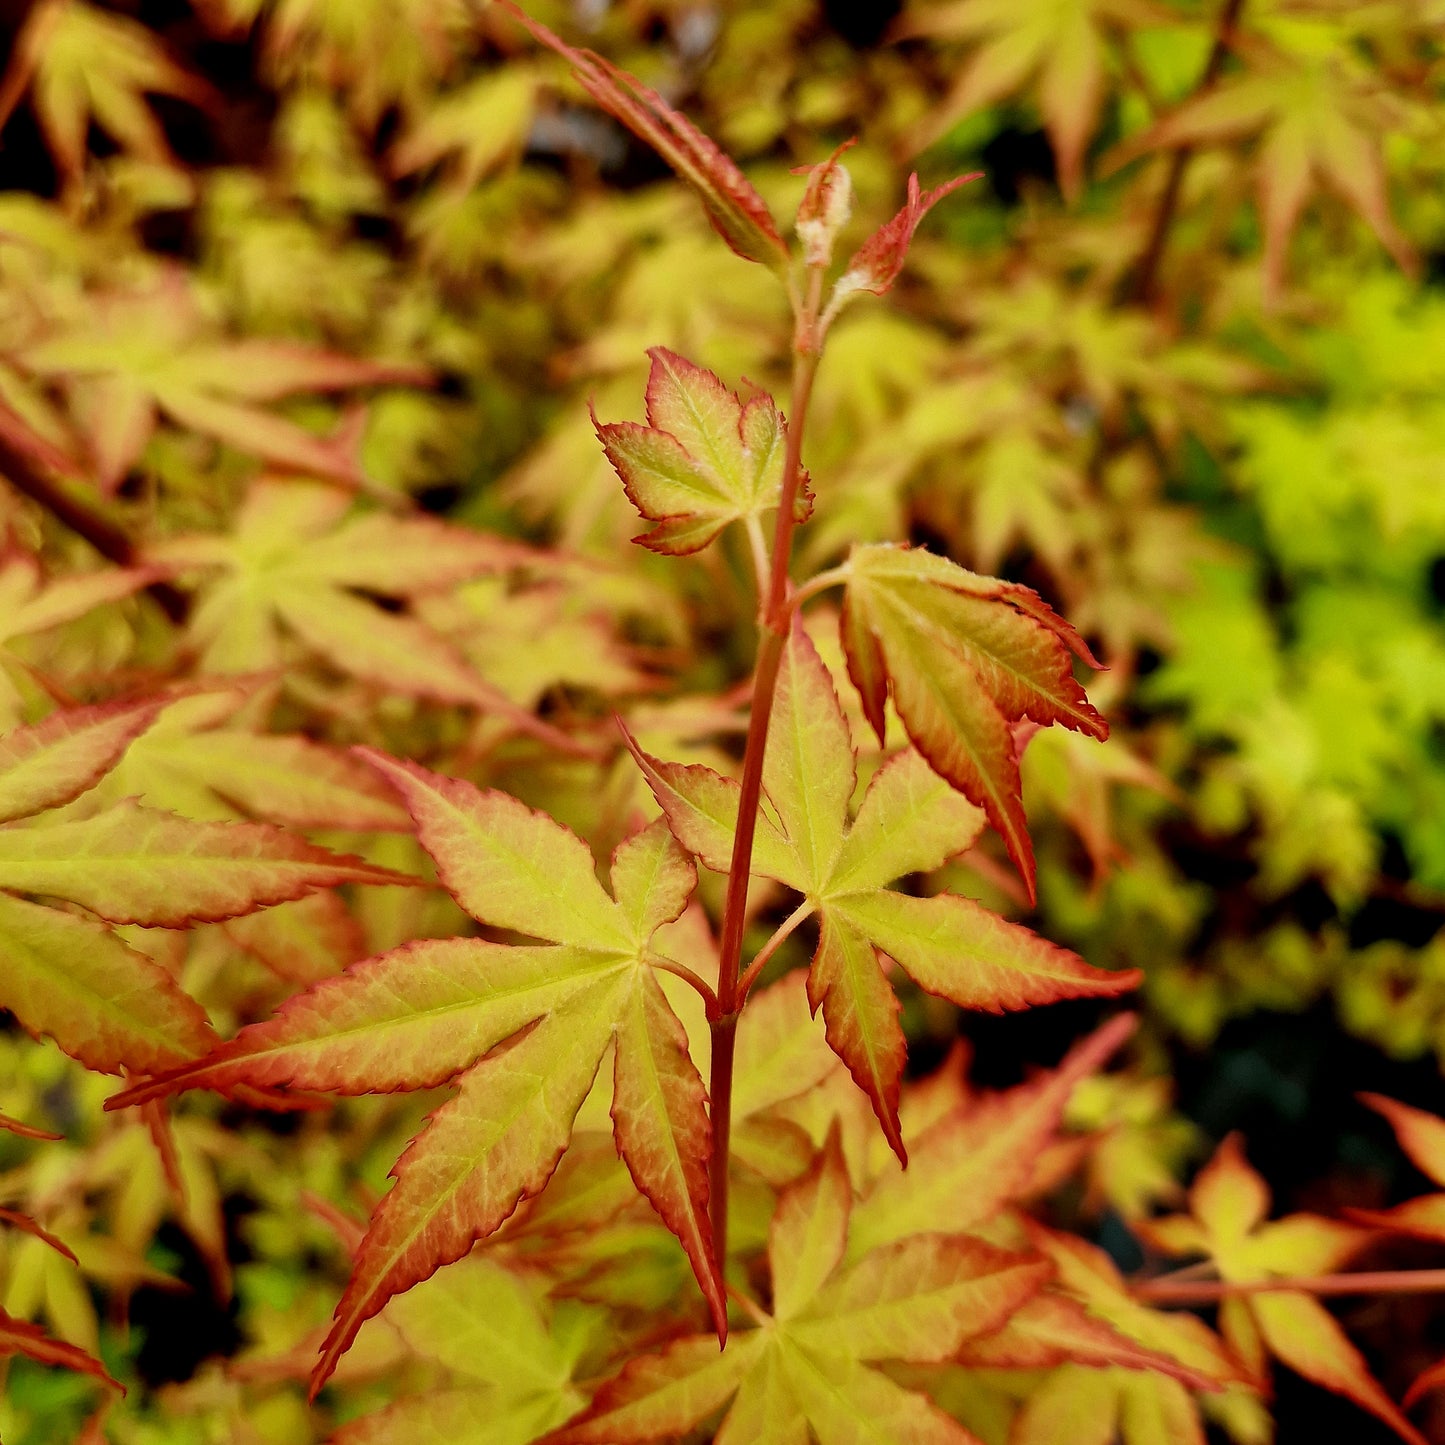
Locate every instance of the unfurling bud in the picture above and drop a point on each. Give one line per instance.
(878, 261)
(825, 208)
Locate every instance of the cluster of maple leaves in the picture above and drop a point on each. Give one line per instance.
(885, 1278)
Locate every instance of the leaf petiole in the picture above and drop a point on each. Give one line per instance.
(780, 934)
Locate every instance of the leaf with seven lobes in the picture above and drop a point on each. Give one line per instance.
(704, 459)
(910, 821)
(966, 657)
(525, 1026)
(811, 1366)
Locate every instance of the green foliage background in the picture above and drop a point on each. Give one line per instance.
(1231, 483)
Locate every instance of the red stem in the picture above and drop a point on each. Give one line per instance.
(775, 619)
(1210, 1291)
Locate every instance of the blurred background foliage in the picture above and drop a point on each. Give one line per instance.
(1177, 361)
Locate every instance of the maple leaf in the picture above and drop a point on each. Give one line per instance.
(523, 1028)
(86, 65)
(296, 562)
(980, 1154)
(910, 821)
(703, 460)
(188, 762)
(810, 1364)
(878, 262)
(1422, 1136)
(965, 657)
(1120, 1369)
(19, 1338)
(1059, 44)
(29, 605)
(480, 1321)
(1229, 1204)
(737, 212)
(68, 975)
(1317, 114)
(130, 355)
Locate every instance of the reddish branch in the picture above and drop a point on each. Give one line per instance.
(1146, 274)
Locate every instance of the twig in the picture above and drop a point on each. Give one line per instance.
(1211, 1291)
(1141, 288)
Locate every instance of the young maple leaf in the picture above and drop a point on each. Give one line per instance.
(434, 1009)
(295, 561)
(1229, 1204)
(1317, 118)
(85, 65)
(737, 212)
(29, 605)
(129, 356)
(966, 658)
(704, 459)
(1060, 44)
(69, 976)
(910, 821)
(810, 1365)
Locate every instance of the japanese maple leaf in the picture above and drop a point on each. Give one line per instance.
(190, 761)
(65, 973)
(704, 459)
(1422, 1137)
(85, 65)
(1120, 1370)
(19, 1338)
(297, 564)
(910, 821)
(810, 1364)
(1317, 116)
(524, 1026)
(30, 605)
(965, 658)
(130, 356)
(1229, 1204)
(510, 1365)
(1060, 45)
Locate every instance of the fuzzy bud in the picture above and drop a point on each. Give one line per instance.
(825, 208)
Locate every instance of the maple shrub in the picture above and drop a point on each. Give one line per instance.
(509, 942)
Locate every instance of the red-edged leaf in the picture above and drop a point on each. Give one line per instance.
(19, 1338)
(860, 1013)
(663, 1132)
(105, 1004)
(1303, 1333)
(877, 262)
(735, 209)
(132, 864)
(973, 1161)
(966, 657)
(957, 949)
(1052, 1329)
(51, 762)
(1421, 1135)
(483, 1152)
(302, 942)
(703, 460)
(16, 1220)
